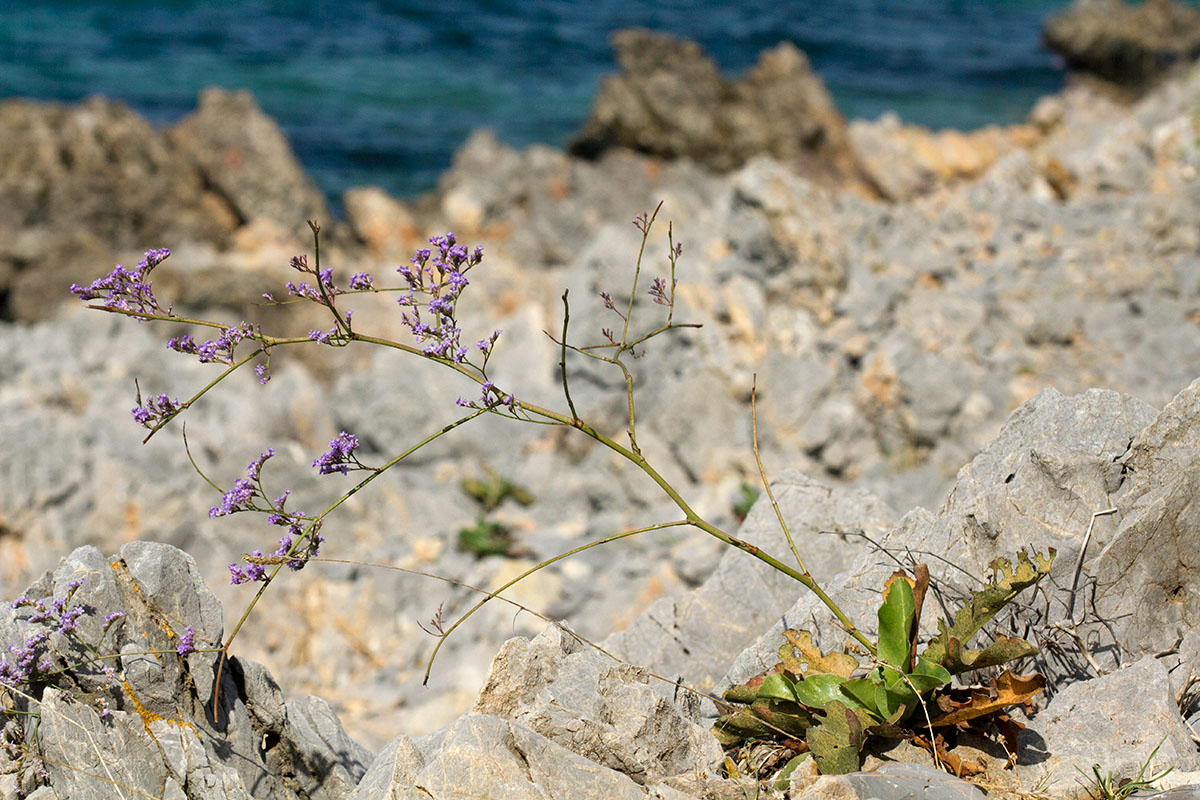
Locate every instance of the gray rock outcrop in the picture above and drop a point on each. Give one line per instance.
(245, 158)
(88, 185)
(1130, 44)
(670, 100)
(117, 700)
(78, 184)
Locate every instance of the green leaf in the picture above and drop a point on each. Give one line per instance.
(895, 623)
(860, 692)
(894, 698)
(1007, 582)
(763, 720)
(1000, 651)
(776, 686)
(836, 741)
(817, 690)
(928, 676)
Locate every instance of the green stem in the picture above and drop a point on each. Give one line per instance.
(533, 569)
(694, 519)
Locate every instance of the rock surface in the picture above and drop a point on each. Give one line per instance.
(1127, 43)
(153, 721)
(671, 100)
(887, 344)
(245, 158)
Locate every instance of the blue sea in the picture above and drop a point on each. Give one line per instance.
(383, 92)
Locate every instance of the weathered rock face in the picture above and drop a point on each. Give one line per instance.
(671, 100)
(80, 183)
(246, 159)
(1089, 476)
(83, 187)
(1128, 44)
(157, 723)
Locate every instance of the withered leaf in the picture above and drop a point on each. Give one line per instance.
(1006, 690)
(801, 656)
(1006, 583)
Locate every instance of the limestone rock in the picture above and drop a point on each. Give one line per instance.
(244, 156)
(147, 721)
(378, 219)
(79, 183)
(1125, 43)
(601, 709)
(1114, 721)
(670, 100)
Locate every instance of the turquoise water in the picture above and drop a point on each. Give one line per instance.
(384, 92)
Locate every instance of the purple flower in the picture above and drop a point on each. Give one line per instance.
(68, 619)
(187, 642)
(340, 456)
(220, 349)
(24, 665)
(110, 618)
(361, 281)
(156, 410)
(236, 499)
(183, 344)
(127, 290)
(254, 468)
(249, 574)
(261, 371)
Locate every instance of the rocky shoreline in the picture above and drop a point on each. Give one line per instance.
(911, 302)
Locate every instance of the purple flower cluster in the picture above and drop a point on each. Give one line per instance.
(241, 496)
(219, 350)
(156, 409)
(24, 666)
(249, 574)
(660, 292)
(127, 289)
(440, 278)
(303, 289)
(362, 282)
(340, 455)
(297, 556)
(187, 643)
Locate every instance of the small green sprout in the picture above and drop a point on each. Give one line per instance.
(486, 538)
(1102, 787)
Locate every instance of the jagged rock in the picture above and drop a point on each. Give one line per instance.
(383, 223)
(670, 100)
(1114, 721)
(1125, 43)
(79, 183)
(901, 161)
(898, 781)
(603, 710)
(244, 156)
(1036, 486)
(696, 635)
(485, 757)
(1147, 582)
(152, 724)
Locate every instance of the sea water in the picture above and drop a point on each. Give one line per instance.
(383, 92)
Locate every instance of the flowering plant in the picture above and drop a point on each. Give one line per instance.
(432, 285)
